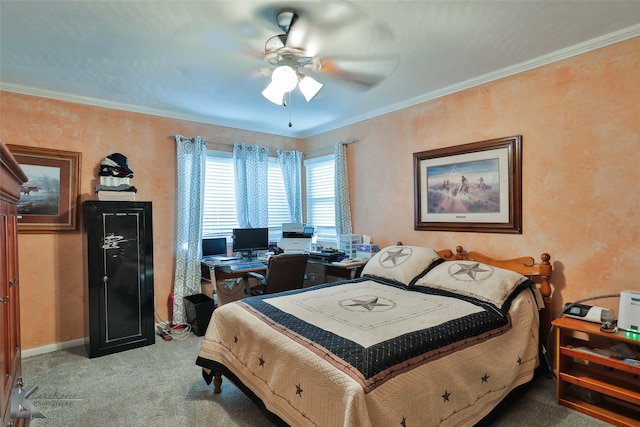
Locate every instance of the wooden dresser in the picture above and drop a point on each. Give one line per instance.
(11, 178)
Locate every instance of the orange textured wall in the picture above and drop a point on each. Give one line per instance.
(51, 265)
(580, 123)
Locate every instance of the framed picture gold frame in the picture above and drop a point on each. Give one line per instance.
(49, 199)
(474, 187)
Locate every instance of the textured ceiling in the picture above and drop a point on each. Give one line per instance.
(200, 60)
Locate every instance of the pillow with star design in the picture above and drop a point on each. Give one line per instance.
(476, 280)
(401, 264)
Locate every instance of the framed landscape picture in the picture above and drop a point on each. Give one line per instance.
(473, 187)
(49, 199)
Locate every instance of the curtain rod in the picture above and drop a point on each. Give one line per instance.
(329, 146)
(173, 137)
(226, 144)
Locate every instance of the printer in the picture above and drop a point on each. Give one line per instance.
(629, 312)
(296, 238)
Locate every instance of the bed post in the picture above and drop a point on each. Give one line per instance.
(217, 382)
(546, 314)
(459, 253)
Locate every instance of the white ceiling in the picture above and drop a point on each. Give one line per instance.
(199, 60)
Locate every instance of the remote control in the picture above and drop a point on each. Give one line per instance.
(633, 362)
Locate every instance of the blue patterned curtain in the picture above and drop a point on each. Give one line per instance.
(251, 163)
(343, 203)
(291, 165)
(191, 157)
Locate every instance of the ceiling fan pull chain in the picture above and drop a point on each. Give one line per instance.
(289, 101)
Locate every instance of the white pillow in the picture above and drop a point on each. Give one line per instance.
(402, 264)
(477, 280)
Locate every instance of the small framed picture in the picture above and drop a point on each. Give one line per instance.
(49, 199)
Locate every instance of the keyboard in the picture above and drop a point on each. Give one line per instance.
(219, 258)
(243, 266)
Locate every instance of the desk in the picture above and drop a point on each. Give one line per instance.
(319, 272)
(211, 270)
(218, 279)
(324, 271)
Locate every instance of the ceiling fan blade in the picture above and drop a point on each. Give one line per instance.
(298, 34)
(266, 71)
(329, 28)
(275, 42)
(367, 71)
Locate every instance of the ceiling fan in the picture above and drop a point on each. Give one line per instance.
(289, 61)
(306, 44)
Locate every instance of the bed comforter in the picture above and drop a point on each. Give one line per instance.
(371, 353)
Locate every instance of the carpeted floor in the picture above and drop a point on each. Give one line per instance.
(160, 385)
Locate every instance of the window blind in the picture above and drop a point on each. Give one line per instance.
(219, 216)
(320, 175)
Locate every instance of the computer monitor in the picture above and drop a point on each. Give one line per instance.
(214, 246)
(247, 240)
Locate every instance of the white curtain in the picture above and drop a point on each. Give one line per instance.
(343, 203)
(291, 166)
(191, 157)
(251, 164)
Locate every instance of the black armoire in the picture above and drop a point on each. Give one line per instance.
(119, 275)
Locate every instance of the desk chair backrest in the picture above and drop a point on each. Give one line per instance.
(285, 272)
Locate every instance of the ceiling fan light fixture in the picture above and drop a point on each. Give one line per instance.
(309, 87)
(285, 78)
(273, 94)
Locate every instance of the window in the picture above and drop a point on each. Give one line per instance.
(219, 216)
(320, 173)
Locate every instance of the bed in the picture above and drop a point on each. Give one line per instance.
(423, 337)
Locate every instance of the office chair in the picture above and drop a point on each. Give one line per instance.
(284, 272)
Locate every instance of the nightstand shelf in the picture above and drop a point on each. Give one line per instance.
(606, 388)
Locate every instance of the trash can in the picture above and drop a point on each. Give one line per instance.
(199, 309)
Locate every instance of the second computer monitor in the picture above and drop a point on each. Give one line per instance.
(214, 246)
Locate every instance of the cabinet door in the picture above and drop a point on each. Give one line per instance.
(13, 293)
(5, 365)
(120, 276)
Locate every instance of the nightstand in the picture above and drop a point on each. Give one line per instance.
(599, 386)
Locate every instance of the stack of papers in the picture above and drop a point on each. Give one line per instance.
(349, 262)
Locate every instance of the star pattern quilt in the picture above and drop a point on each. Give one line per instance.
(370, 352)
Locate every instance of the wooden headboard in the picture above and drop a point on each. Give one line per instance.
(538, 272)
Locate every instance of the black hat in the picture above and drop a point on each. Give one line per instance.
(114, 171)
(121, 162)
